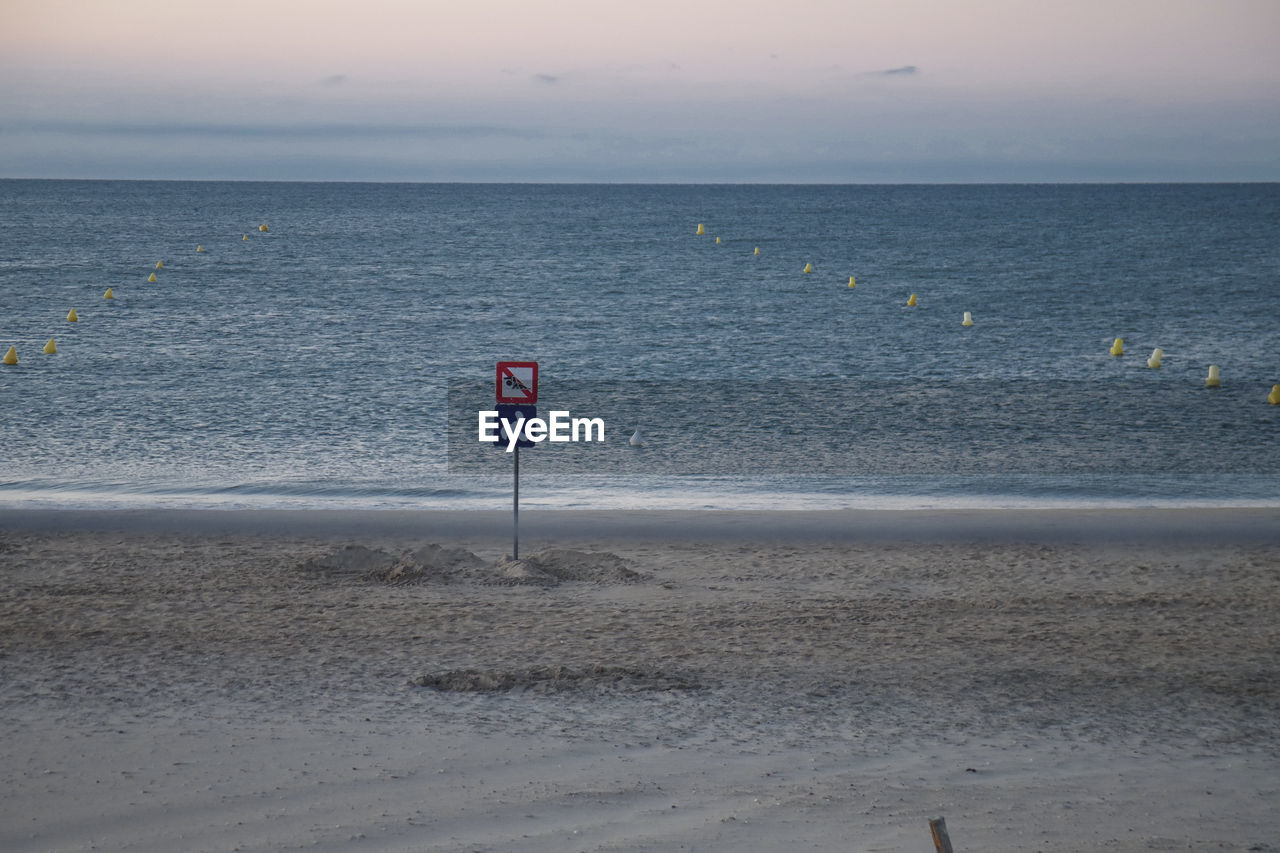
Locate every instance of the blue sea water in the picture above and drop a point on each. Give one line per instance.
(338, 358)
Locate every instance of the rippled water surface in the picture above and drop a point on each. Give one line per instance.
(332, 359)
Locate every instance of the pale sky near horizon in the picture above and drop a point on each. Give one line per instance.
(690, 91)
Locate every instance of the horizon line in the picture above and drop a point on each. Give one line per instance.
(630, 182)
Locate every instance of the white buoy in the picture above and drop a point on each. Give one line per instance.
(1214, 379)
(968, 319)
(636, 440)
(1157, 355)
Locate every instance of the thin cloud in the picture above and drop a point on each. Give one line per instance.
(904, 71)
(334, 80)
(548, 79)
(302, 130)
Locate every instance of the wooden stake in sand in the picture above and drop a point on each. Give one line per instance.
(941, 841)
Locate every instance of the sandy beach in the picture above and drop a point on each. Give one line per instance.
(656, 681)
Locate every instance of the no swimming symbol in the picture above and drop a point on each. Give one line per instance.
(517, 382)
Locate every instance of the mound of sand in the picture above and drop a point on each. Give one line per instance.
(555, 679)
(428, 563)
(434, 563)
(548, 568)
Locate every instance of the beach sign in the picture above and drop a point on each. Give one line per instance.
(517, 391)
(513, 414)
(517, 382)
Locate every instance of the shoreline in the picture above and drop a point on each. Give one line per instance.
(1207, 526)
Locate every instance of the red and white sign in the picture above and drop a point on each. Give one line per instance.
(517, 382)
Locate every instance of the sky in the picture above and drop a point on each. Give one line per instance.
(689, 91)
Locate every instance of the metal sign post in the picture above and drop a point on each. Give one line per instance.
(517, 391)
(515, 507)
(510, 413)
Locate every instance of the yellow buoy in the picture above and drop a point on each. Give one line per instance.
(968, 319)
(50, 348)
(262, 227)
(1117, 348)
(11, 357)
(1274, 397)
(757, 251)
(72, 316)
(701, 230)
(912, 300)
(199, 248)
(159, 265)
(151, 277)
(852, 283)
(1213, 380)
(1157, 355)
(808, 267)
(717, 240)
(110, 294)
(246, 237)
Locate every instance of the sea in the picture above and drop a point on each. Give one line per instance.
(333, 345)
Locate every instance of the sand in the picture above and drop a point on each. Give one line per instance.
(1046, 680)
